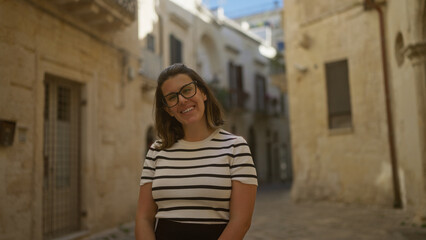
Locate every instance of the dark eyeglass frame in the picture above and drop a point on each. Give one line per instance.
(180, 93)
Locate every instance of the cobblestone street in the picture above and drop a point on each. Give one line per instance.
(277, 217)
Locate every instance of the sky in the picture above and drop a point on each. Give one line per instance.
(239, 8)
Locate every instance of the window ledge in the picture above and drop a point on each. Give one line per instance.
(340, 131)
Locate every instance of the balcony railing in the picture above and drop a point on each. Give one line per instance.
(101, 14)
(222, 95)
(237, 100)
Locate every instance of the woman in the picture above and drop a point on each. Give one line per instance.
(198, 180)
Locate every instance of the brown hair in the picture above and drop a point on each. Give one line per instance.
(170, 130)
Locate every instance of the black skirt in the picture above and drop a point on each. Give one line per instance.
(171, 230)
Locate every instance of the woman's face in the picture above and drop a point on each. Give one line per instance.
(189, 110)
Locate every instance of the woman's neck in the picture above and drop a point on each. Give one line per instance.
(197, 132)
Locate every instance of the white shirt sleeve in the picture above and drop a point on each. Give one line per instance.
(242, 165)
(148, 170)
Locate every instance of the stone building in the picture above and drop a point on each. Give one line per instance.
(267, 25)
(71, 97)
(357, 93)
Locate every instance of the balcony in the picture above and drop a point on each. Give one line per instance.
(105, 15)
(238, 99)
(151, 64)
(231, 99)
(223, 96)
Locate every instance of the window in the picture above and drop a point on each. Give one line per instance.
(283, 100)
(150, 42)
(260, 89)
(252, 143)
(64, 104)
(232, 84)
(280, 46)
(237, 96)
(175, 50)
(338, 94)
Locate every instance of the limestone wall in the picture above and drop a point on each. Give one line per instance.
(405, 29)
(352, 164)
(34, 42)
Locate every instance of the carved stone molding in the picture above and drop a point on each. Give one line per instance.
(416, 52)
(106, 15)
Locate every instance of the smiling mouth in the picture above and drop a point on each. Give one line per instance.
(187, 110)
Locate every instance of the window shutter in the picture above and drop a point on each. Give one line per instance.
(338, 94)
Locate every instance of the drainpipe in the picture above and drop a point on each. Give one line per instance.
(371, 4)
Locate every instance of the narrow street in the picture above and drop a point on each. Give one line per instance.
(277, 217)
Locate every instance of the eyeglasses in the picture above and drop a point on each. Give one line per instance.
(187, 91)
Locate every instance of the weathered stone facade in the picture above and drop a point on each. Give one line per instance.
(406, 50)
(37, 40)
(353, 164)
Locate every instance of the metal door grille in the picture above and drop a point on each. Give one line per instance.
(61, 185)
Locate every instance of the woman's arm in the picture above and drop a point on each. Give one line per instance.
(145, 215)
(241, 209)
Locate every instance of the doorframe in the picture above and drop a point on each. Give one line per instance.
(72, 187)
(86, 77)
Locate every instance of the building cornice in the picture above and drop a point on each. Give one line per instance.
(179, 21)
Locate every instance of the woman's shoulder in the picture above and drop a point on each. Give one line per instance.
(224, 135)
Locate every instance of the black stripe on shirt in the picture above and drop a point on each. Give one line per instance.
(192, 187)
(201, 149)
(244, 176)
(243, 165)
(193, 208)
(202, 157)
(197, 166)
(149, 178)
(193, 176)
(223, 140)
(198, 220)
(193, 198)
(200, 166)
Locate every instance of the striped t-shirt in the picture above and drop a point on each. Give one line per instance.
(191, 181)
